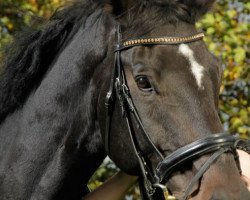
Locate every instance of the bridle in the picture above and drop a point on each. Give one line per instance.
(153, 179)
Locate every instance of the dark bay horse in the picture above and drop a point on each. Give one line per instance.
(53, 93)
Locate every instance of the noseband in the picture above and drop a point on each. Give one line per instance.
(153, 179)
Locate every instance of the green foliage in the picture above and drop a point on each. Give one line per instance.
(228, 37)
(105, 171)
(17, 14)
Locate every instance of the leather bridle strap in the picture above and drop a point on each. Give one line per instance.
(109, 104)
(216, 144)
(118, 88)
(202, 170)
(158, 41)
(238, 144)
(196, 149)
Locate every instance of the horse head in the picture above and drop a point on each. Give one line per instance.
(163, 96)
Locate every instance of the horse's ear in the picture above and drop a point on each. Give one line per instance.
(121, 6)
(198, 8)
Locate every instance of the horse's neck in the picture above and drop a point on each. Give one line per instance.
(57, 145)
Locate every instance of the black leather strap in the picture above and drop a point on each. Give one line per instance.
(111, 96)
(202, 170)
(191, 151)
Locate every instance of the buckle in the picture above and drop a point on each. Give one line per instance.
(165, 191)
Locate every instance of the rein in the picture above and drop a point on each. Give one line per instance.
(154, 179)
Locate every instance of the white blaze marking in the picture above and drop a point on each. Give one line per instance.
(196, 68)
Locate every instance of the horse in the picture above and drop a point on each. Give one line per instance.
(131, 79)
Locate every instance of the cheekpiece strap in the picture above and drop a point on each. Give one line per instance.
(110, 96)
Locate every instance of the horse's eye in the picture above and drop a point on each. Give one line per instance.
(143, 84)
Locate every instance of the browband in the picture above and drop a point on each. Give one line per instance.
(158, 41)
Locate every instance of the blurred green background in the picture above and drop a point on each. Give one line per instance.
(227, 29)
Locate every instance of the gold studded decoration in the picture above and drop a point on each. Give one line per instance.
(163, 40)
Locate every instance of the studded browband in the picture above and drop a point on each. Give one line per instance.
(158, 41)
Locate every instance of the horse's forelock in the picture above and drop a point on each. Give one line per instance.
(164, 11)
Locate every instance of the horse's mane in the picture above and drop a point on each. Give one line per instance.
(32, 52)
